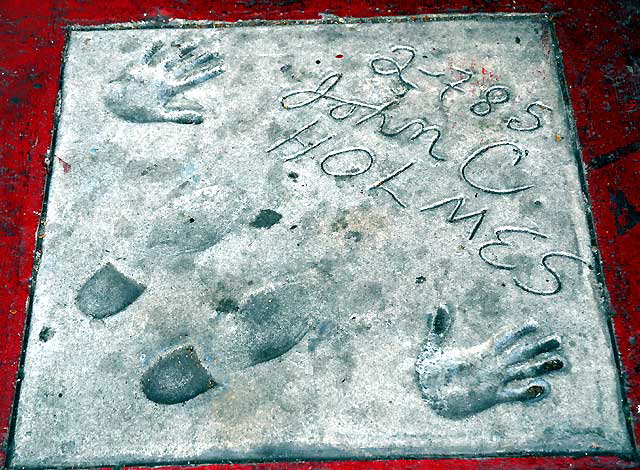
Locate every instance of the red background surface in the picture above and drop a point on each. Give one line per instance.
(601, 48)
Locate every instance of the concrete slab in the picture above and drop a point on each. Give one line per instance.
(353, 240)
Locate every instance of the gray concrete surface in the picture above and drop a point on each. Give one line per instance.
(320, 241)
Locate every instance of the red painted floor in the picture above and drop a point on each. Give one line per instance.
(601, 46)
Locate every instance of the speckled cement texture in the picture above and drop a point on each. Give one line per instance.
(316, 241)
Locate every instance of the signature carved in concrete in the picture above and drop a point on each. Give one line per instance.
(544, 261)
(150, 91)
(392, 67)
(451, 85)
(516, 123)
(345, 107)
(506, 368)
(493, 95)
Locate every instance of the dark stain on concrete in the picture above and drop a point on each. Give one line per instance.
(267, 218)
(340, 223)
(353, 235)
(227, 305)
(46, 333)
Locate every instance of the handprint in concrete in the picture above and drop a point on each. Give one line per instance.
(506, 368)
(150, 91)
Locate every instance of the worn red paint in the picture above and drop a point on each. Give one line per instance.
(66, 167)
(539, 463)
(601, 49)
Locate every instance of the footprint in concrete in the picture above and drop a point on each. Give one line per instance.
(176, 377)
(107, 292)
(196, 221)
(457, 383)
(273, 329)
(186, 231)
(263, 327)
